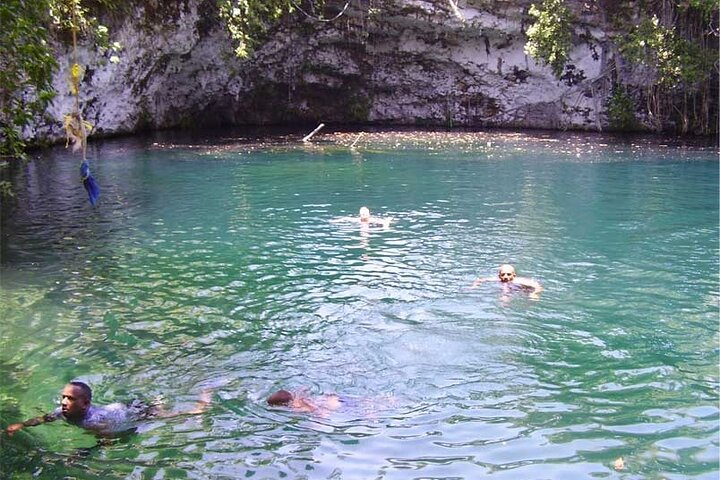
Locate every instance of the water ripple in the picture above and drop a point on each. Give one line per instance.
(237, 280)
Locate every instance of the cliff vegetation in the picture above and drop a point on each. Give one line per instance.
(582, 64)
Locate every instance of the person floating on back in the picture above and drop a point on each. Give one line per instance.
(507, 276)
(77, 409)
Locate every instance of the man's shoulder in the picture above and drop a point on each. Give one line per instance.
(96, 412)
(109, 419)
(110, 407)
(54, 415)
(529, 282)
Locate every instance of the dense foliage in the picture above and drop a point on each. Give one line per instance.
(248, 20)
(550, 36)
(621, 111)
(675, 44)
(672, 46)
(28, 63)
(26, 67)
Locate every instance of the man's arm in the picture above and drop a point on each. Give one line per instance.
(478, 281)
(32, 422)
(384, 222)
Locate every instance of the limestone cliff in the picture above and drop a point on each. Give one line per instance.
(409, 62)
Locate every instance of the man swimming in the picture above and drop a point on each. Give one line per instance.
(331, 404)
(77, 409)
(364, 218)
(507, 276)
(300, 402)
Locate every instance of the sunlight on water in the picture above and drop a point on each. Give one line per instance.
(215, 263)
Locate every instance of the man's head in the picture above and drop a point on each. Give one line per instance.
(506, 273)
(75, 400)
(364, 214)
(280, 398)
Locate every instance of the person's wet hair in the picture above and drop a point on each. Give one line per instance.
(281, 397)
(87, 392)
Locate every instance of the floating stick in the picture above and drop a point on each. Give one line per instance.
(356, 140)
(309, 136)
(455, 9)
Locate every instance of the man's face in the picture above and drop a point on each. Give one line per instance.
(506, 273)
(73, 402)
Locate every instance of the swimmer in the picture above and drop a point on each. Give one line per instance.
(507, 276)
(77, 409)
(364, 218)
(331, 403)
(300, 402)
(367, 219)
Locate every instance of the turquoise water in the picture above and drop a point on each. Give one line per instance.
(215, 265)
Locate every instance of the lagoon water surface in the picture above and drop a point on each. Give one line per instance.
(215, 265)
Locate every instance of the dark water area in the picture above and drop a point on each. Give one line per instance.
(216, 262)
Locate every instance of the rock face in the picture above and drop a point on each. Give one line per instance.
(409, 62)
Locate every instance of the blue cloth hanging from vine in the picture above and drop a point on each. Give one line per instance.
(91, 186)
(77, 129)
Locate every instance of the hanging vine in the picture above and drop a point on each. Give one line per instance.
(76, 128)
(550, 36)
(672, 46)
(27, 62)
(248, 21)
(676, 43)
